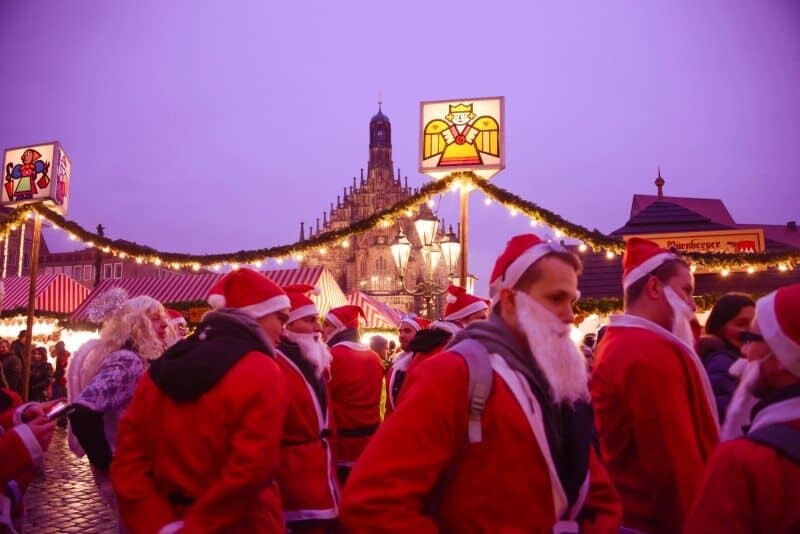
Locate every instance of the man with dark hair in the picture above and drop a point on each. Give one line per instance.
(494, 434)
(355, 386)
(654, 408)
(12, 367)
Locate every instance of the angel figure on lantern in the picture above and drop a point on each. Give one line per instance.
(461, 138)
(25, 175)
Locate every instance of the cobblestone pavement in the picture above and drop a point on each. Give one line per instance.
(64, 499)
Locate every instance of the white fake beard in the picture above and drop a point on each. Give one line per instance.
(557, 355)
(743, 400)
(313, 349)
(682, 316)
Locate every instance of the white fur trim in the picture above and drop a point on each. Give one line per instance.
(306, 515)
(399, 364)
(411, 321)
(446, 326)
(303, 311)
(517, 268)
(171, 528)
(532, 410)
(634, 321)
(271, 305)
(780, 412)
(335, 321)
(31, 443)
(786, 350)
(216, 300)
(16, 417)
(646, 267)
(177, 320)
(352, 345)
(466, 311)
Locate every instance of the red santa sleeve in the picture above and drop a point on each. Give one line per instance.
(724, 501)
(20, 452)
(142, 507)
(397, 472)
(602, 509)
(664, 432)
(258, 409)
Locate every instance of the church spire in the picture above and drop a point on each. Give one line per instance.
(660, 184)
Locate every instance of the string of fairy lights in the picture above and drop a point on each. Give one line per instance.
(722, 263)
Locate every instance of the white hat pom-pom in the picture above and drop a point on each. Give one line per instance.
(316, 292)
(216, 301)
(451, 299)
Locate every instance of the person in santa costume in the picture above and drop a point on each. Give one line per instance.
(198, 447)
(306, 475)
(751, 483)
(355, 386)
(463, 308)
(25, 435)
(534, 469)
(410, 326)
(654, 408)
(178, 322)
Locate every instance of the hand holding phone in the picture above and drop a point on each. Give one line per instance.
(60, 408)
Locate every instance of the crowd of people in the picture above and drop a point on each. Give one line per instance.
(268, 417)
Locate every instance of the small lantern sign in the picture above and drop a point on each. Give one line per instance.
(462, 135)
(36, 173)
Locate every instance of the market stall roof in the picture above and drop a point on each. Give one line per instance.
(380, 316)
(178, 288)
(56, 293)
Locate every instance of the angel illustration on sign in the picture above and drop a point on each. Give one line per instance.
(21, 179)
(461, 138)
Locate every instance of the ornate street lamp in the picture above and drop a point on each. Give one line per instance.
(434, 250)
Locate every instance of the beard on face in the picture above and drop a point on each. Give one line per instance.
(743, 400)
(557, 355)
(313, 349)
(682, 316)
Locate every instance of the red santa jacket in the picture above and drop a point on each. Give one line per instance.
(20, 453)
(355, 386)
(209, 462)
(656, 420)
(398, 373)
(506, 483)
(306, 475)
(749, 487)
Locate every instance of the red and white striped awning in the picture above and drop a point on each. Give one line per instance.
(330, 294)
(57, 293)
(380, 316)
(178, 288)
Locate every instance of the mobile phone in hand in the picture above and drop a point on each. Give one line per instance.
(60, 408)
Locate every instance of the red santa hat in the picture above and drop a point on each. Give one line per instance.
(302, 305)
(345, 316)
(249, 291)
(461, 304)
(415, 322)
(778, 316)
(175, 317)
(641, 258)
(520, 253)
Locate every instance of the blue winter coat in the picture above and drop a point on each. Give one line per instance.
(718, 356)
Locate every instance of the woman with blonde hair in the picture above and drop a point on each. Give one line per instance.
(136, 332)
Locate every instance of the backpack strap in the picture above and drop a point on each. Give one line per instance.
(784, 438)
(479, 369)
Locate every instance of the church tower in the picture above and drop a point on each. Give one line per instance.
(366, 264)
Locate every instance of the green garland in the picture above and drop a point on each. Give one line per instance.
(609, 305)
(594, 238)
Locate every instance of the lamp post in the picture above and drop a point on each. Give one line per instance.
(434, 249)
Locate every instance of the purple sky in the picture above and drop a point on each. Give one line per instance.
(218, 126)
